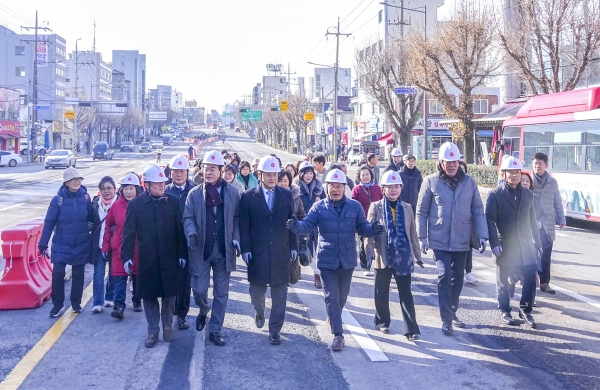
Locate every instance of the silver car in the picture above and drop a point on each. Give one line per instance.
(60, 158)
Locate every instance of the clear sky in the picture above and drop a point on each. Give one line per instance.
(212, 51)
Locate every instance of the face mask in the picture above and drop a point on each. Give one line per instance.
(227, 161)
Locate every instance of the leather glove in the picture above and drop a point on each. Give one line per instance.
(294, 254)
(424, 245)
(236, 246)
(419, 263)
(291, 222)
(377, 228)
(497, 251)
(246, 256)
(105, 255)
(90, 225)
(539, 224)
(481, 245)
(128, 264)
(43, 251)
(181, 263)
(192, 241)
(113, 228)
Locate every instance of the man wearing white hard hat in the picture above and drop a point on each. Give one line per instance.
(514, 239)
(338, 219)
(211, 226)
(268, 248)
(180, 187)
(255, 166)
(396, 162)
(448, 202)
(154, 222)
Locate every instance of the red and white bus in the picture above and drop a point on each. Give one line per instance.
(566, 127)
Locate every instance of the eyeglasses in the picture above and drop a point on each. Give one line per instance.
(107, 188)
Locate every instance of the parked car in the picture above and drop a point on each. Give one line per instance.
(60, 158)
(127, 146)
(102, 151)
(359, 151)
(156, 144)
(166, 139)
(9, 158)
(145, 147)
(37, 148)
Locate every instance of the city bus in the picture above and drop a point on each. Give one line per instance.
(566, 127)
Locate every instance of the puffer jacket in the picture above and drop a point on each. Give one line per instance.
(252, 180)
(113, 241)
(411, 185)
(549, 203)
(337, 232)
(444, 217)
(68, 216)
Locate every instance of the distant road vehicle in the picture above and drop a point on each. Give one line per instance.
(127, 146)
(61, 158)
(102, 151)
(145, 147)
(9, 158)
(157, 144)
(37, 149)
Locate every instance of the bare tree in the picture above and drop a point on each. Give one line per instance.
(461, 54)
(552, 42)
(381, 69)
(297, 106)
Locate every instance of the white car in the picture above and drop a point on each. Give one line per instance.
(9, 158)
(60, 158)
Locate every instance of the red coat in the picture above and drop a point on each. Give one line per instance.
(365, 196)
(113, 242)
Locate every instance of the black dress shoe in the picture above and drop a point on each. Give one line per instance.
(200, 322)
(151, 340)
(528, 318)
(447, 328)
(55, 311)
(216, 339)
(507, 319)
(412, 336)
(458, 323)
(182, 323)
(274, 338)
(338, 343)
(259, 320)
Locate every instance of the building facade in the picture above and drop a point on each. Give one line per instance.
(133, 66)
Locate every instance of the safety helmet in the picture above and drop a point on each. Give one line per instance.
(179, 162)
(449, 152)
(309, 152)
(396, 152)
(305, 165)
(130, 179)
(154, 174)
(390, 178)
(213, 157)
(336, 176)
(71, 173)
(509, 163)
(255, 161)
(268, 164)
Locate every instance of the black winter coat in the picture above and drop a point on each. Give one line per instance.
(157, 227)
(394, 167)
(411, 186)
(263, 233)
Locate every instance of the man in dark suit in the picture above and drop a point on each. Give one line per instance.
(514, 239)
(264, 211)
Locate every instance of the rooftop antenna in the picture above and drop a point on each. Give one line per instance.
(94, 45)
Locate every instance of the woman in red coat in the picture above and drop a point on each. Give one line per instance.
(366, 192)
(113, 240)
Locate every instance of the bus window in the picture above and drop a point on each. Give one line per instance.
(566, 158)
(535, 139)
(529, 152)
(592, 158)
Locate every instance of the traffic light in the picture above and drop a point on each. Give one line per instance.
(244, 110)
(275, 108)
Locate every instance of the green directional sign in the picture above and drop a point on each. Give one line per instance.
(252, 116)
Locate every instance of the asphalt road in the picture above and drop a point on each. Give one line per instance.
(95, 350)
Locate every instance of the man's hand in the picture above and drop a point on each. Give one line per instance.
(246, 256)
(377, 228)
(419, 263)
(128, 264)
(105, 255)
(44, 251)
(539, 225)
(424, 245)
(192, 241)
(497, 251)
(236, 246)
(291, 222)
(294, 254)
(481, 245)
(182, 263)
(562, 225)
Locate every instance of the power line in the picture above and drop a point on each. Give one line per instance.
(16, 15)
(368, 21)
(346, 17)
(357, 16)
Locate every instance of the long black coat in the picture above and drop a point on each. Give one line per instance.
(512, 225)
(157, 227)
(263, 233)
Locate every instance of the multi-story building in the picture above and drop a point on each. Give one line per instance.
(274, 89)
(133, 66)
(94, 76)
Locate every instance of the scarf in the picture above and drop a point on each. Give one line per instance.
(541, 180)
(367, 185)
(246, 180)
(213, 197)
(311, 190)
(105, 204)
(399, 256)
(452, 182)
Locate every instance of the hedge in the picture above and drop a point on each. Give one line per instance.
(486, 176)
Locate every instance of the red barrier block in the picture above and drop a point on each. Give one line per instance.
(44, 264)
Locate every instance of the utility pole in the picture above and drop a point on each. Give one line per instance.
(335, 91)
(75, 131)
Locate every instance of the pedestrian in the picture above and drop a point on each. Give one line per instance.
(349, 182)
(413, 179)
(319, 165)
(112, 243)
(227, 158)
(347, 189)
(396, 161)
(473, 243)
(372, 160)
(69, 217)
(154, 222)
(394, 253)
(211, 224)
(449, 202)
(254, 167)
(311, 191)
(180, 188)
(549, 206)
(245, 178)
(191, 152)
(292, 169)
(514, 240)
(284, 180)
(236, 161)
(100, 208)
(267, 247)
(309, 155)
(229, 173)
(338, 219)
(159, 153)
(365, 192)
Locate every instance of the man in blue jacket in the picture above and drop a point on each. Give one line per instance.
(338, 219)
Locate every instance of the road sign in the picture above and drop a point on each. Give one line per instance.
(309, 116)
(343, 129)
(69, 114)
(165, 128)
(406, 90)
(158, 116)
(71, 100)
(284, 105)
(252, 116)
(42, 107)
(330, 130)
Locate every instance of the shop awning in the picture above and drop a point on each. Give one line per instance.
(502, 113)
(11, 136)
(388, 138)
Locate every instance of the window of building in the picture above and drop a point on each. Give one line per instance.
(435, 107)
(480, 106)
(60, 52)
(20, 71)
(60, 93)
(19, 50)
(380, 15)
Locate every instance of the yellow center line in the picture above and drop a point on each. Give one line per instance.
(22, 370)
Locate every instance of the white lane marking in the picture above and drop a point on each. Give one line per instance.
(363, 339)
(13, 206)
(579, 297)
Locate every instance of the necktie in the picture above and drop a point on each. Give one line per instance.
(270, 199)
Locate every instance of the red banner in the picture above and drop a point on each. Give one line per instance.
(10, 127)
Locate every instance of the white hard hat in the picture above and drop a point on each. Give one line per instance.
(179, 162)
(390, 178)
(213, 157)
(70, 173)
(396, 152)
(154, 174)
(268, 164)
(449, 152)
(255, 161)
(305, 165)
(509, 163)
(130, 179)
(309, 152)
(336, 176)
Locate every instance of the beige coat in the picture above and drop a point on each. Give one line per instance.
(376, 247)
